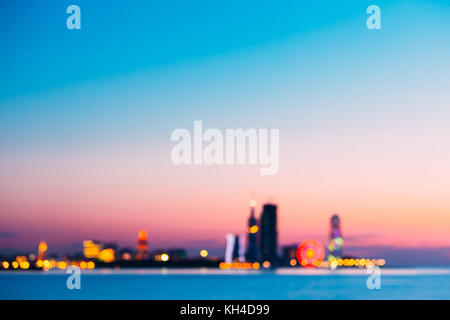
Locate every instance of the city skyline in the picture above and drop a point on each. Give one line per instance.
(397, 256)
(86, 117)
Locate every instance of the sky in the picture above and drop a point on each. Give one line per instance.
(86, 117)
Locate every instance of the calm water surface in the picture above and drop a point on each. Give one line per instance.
(220, 284)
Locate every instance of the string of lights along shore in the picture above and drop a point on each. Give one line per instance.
(257, 249)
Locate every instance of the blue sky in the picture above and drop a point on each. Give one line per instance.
(202, 56)
(119, 37)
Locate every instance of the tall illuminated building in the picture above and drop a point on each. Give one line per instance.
(234, 248)
(142, 246)
(269, 234)
(336, 241)
(252, 248)
(42, 250)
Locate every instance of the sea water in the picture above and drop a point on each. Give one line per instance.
(294, 283)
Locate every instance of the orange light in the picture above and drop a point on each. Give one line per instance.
(126, 256)
(256, 265)
(61, 265)
(24, 265)
(15, 264)
(253, 229)
(293, 262)
(83, 265)
(91, 265)
(224, 265)
(310, 253)
(91, 249)
(19, 259)
(142, 235)
(43, 246)
(106, 255)
(266, 264)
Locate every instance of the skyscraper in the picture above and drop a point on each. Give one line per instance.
(42, 250)
(252, 249)
(336, 241)
(142, 246)
(235, 248)
(269, 234)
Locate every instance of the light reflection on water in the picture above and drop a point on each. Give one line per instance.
(283, 283)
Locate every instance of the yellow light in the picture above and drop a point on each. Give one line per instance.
(340, 262)
(24, 265)
(304, 262)
(252, 203)
(61, 265)
(204, 253)
(91, 250)
(310, 253)
(47, 264)
(164, 257)
(362, 262)
(293, 262)
(266, 264)
(91, 265)
(5, 264)
(333, 264)
(15, 264)
(253, 229)
(83, 265)
(351, 262)
(256, 265)
(106, 255)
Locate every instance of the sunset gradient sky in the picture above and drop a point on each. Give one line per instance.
(86, 117)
